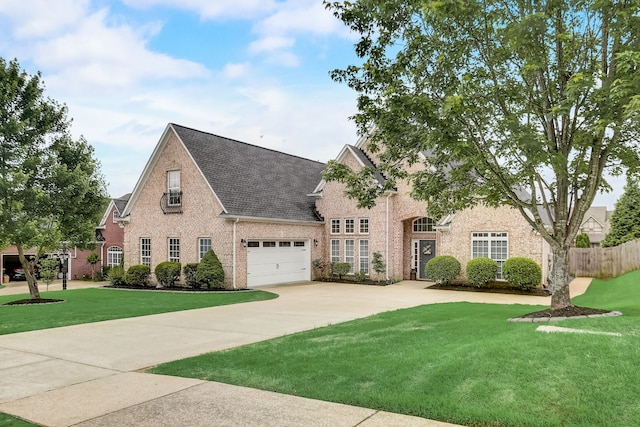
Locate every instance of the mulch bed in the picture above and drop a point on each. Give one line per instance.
(571, 311)
(30, 301)
(173, 288)
(498, 288)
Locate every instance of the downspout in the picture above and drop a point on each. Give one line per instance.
(387, 239)
(234, 252)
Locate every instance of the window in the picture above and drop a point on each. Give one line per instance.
(114, 256)
(491, 245)
(335, 250)
(145, 251)
(364, 226)
(349, 226)
(173, 188)
(204, 245)
(174, 249)
(423, 225)
(299, 244)
(284, 244)
(115, 216)
(268, 244)
(349, 253)
(253, 244)
(363, 255)
(591, 225)
(335, 226)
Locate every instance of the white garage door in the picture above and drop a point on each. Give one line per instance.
(271, 262)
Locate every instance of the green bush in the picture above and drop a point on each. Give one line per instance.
(167, 273)
(481, 271)
(341, 268)
(522, 272)
(583, 241)
(442, 269)
(360, 276)
(210, 271)
(116, 275)
(138, 275)
(189, 271)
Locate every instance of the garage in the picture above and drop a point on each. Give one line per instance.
(271, 262)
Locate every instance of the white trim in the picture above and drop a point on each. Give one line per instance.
(242, 218)
(107, 214)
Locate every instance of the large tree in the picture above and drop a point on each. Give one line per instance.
(51, 188)
(625, 221)
(505, 98)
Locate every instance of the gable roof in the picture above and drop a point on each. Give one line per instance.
(119, 204)
(248, 181)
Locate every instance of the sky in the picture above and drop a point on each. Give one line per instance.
(252, 70)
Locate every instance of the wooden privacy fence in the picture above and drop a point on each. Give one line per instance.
(604, 263)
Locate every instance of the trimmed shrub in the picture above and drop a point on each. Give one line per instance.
(522, 272)
(442, 269)
(210, 271)
(116, 275)
(583, 241)
(189, 271)
(138, 275)
(360, 276)
(481, 271)
(341, 268)
(167, 273)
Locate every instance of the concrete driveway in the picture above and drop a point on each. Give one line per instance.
(87, 375)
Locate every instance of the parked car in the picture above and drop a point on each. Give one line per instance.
(18, 274)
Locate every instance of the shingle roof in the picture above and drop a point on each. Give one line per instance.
(368, 163)
(253, 181)
(121, 202)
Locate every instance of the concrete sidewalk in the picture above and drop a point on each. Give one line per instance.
(86, 375)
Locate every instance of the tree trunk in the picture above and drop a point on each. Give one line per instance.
(29, 273)
(560, 297)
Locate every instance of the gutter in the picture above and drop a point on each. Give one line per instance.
(235, 249)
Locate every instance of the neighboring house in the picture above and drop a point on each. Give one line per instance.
(267, 215)
(596, 224)
(78, 266)
(110, 233)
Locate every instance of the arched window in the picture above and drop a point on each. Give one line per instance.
(423, 225)
(114, 255)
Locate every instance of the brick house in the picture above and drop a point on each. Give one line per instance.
(110, 233)
(596, 223)
(267, 215)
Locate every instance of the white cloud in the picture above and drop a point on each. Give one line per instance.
(301, 17)
(38, 18)
(212, 9)
(268, 44)
(236, 71)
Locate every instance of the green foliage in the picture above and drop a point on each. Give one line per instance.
(48, 268)
(189, 271)
(340, 269)
(360, 276)
(116, 275)
(378, 264)
(523, 272)
(583, 241)
(51, 187)
(442, 268)
(93, 258)
(167, 273)
(210, 271)
(138, 275)
(481, 271)
(625, 221)
(481, 87)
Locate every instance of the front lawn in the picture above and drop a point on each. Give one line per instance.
(94, 305)
(458, 362)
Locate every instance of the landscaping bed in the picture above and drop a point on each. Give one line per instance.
(493, 287)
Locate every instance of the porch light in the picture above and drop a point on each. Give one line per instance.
(244, 243)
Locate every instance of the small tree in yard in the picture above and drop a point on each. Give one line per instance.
(51, 188)
(583, 241)
(210, 271)
(517, 102)
(189, 271)
(48, 268)
(93, 259)
(378, 264)
(341, 268)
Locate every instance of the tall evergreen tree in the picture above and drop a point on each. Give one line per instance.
(625, 221)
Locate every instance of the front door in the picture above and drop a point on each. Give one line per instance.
(423, 251)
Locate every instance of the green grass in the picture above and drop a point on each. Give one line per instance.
(11, 421)
(458, 362)
(95, 305)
